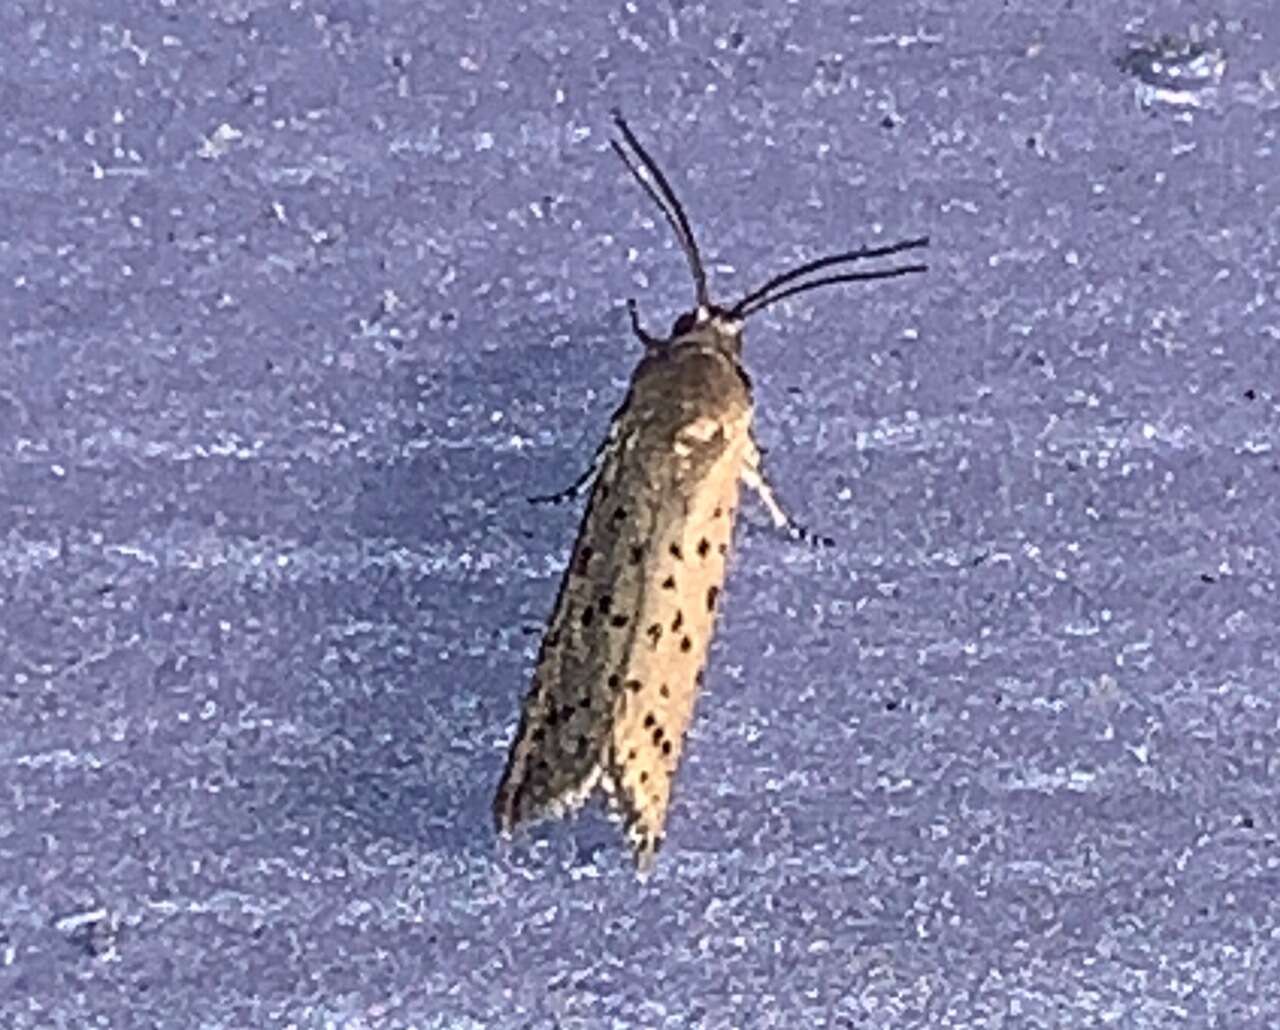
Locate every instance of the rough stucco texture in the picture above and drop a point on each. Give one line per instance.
(300, 302)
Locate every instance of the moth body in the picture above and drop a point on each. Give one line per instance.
(624, 654)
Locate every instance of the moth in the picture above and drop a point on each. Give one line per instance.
(625, 651)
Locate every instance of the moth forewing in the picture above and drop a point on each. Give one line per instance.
(695, 461)
(622, 660)
(555, 760)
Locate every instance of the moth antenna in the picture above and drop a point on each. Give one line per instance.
(748, 303)
(665, 197)
(831, 280)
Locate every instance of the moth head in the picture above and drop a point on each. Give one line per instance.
(708, 325)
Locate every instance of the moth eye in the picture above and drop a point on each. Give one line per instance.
(684, 324)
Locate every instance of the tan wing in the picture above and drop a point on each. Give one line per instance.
(663, 669)
(676, 459)
(555, 760)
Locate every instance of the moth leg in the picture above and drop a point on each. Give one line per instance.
(569, 492)
(644, 337)
(753, 477)
(597, 461)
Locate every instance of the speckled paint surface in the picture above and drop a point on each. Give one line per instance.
(300, 302)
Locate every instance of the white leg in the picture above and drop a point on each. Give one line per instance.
(754, 478)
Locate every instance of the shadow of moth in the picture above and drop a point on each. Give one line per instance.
(623, 656)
